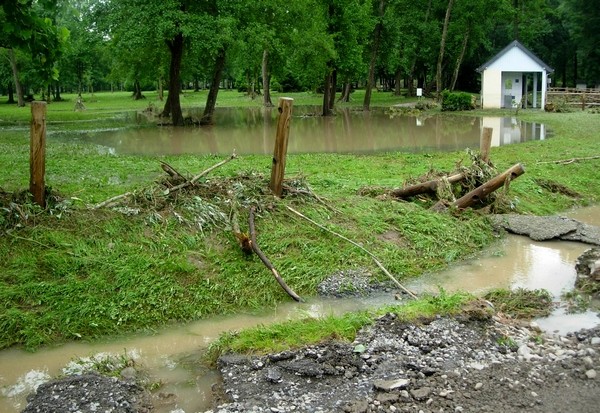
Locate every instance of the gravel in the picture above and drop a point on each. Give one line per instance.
(441, 365)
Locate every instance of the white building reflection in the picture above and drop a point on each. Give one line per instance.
(512, 130)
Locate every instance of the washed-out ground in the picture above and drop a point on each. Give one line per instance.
(480, 361)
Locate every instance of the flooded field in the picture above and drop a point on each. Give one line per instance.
(252, 131)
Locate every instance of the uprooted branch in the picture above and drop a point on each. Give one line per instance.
(266, 261)
(385, 271)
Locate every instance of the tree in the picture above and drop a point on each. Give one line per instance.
(25, 26)
(584, 19)
(375, 43)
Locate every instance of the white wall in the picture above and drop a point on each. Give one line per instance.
(491, 83)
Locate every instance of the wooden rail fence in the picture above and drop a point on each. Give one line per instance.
(571, 96)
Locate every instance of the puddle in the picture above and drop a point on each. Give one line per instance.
(171, 354)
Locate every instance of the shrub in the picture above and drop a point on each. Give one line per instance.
(452, 101)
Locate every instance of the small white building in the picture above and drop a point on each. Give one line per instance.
(505, 78)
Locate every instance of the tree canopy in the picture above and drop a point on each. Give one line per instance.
(324, 46)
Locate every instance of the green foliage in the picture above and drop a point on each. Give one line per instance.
(455, 101)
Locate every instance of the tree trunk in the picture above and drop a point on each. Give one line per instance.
(374, 52)
(160, 89)
(15, 70)
(346, 89)
(327, 93)
(438, 77)
(266, 80)
(333, 89)
(176, 48)
(11, 94)
(211, 99)
(397, 82)
(57, 96)
(137, 90)
(460, 59)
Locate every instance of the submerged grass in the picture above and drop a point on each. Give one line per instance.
(71, 272)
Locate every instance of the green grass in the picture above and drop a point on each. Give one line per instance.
(296, 333)
(521, 303)
(71, 273)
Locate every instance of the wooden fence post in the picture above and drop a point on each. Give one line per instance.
(281, 143)
(485, 144)
(37, 153)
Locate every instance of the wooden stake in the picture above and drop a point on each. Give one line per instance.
(281, 143)
(485, 144)
(37, 153)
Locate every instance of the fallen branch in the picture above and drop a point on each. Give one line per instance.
(423, 187)
(112, 200)
(200, 175)
(385, 271)
(266, 261)
(482, 191)
(173, 173)
(568, 161)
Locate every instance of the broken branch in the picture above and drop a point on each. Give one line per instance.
(266, 261)
(568, 161)
(200, 175)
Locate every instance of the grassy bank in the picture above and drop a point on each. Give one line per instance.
(75, 273)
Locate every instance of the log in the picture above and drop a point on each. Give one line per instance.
(425, 187)
(482, 191)
(265, 260)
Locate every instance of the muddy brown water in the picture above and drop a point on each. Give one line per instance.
(171, 354)
(252, 131)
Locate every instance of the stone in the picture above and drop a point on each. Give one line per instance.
(389, 385)
(421, 393)
(478, 386)
(274, 375)
(595, 341)
(591, 374)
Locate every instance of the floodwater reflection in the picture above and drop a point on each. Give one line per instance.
(252, 131)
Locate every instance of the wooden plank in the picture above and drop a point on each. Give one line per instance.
(281, 143)
(37, 153)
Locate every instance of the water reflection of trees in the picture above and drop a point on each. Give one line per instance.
(252, 131)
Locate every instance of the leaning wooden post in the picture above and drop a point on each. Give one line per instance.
(281, 143)
(37, 153)
(485, 144)
(481, 192)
